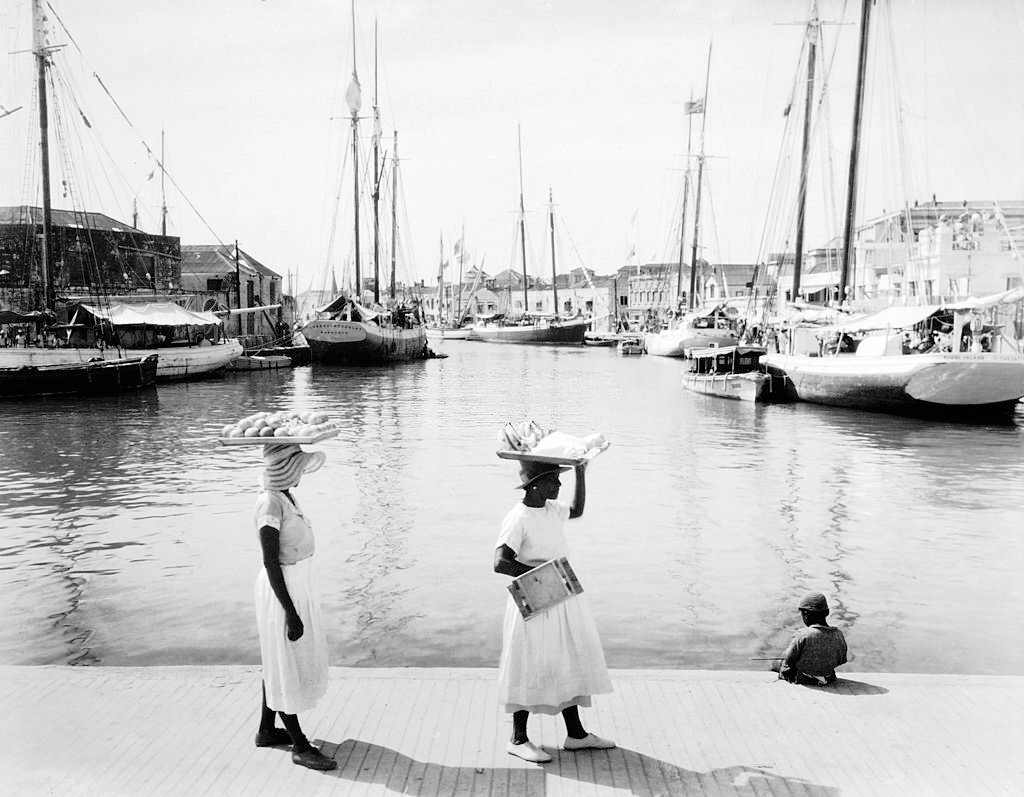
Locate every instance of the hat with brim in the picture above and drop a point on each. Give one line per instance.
(529, 472)
(813, 602)
(285, 464)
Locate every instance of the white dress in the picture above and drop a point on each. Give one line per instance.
(554, 660)
(295, 673)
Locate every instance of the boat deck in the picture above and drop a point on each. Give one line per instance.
(189, 731)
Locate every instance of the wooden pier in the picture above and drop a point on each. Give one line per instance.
(108, 731)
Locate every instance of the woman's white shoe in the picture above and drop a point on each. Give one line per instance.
(528, 751)
(589, 742)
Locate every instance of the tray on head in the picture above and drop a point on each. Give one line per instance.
(528, 457)
(278, 441)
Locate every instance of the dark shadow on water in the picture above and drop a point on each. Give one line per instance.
(621, 769)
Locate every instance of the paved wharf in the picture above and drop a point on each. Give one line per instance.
(139, 731)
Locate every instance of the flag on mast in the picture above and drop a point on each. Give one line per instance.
(693, 106)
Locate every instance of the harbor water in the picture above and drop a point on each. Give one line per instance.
(128, 536)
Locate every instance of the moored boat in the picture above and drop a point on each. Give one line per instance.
(447, 333)
(87, 378)
(355, 335)
(930, 361)
(190, 344)
(701, 329)
(632, 344)
(732, 372)
(346, 331)
(530, 331)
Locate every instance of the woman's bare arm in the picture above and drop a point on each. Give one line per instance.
(270, 542)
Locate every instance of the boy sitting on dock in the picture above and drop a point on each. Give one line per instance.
(816, 650)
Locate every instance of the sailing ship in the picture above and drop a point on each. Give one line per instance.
(699, 327)
(346, 331)
(931, 360)
(527, 327)
(703, 328)
(63, 350)
(450, 325)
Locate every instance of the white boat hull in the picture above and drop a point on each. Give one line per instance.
(741, 387)
(679, 342)
(946, 384)
(359, 343)
(437, 333)
(174, 363)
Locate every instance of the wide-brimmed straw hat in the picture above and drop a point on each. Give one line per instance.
(285, 464)
(529, 472)
(813, 602)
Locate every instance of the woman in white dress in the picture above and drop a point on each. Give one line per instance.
(552, 663)
(293, 646)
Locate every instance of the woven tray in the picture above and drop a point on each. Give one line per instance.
(528, 457)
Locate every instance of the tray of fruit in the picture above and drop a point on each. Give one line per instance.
(279, 428)
(527, 441)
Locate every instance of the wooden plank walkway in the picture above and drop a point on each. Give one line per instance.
(189, 731)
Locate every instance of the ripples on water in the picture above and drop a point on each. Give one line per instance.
(129, 535)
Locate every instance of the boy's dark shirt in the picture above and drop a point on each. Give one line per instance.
(815, 650)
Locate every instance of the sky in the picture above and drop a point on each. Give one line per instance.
(249, 98)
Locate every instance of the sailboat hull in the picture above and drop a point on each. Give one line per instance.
(65, 379)
(174, 362)
(557, 332)
(950, 385)
(680, 342)
(359, 343)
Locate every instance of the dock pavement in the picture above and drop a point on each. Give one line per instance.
(139, 731)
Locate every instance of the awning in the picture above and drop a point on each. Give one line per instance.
(985, 302)
(160, 314)
(14, 317)
(889, 318)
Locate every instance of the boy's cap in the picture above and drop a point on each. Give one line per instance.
(813, 602)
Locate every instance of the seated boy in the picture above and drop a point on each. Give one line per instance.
(815, 651)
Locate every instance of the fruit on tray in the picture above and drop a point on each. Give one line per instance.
(279, 424)
(529, 437)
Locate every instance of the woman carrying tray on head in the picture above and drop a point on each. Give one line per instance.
(293, 646)
(553, 662)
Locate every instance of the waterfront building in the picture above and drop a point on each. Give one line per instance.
(224, 278)
(925, 254)
(90, 254)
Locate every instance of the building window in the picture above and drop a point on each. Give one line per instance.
(273, 292)
(215, 285)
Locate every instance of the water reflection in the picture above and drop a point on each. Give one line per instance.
(129, 536)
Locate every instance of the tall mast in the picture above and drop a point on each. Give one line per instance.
(394, 212)
(551, 225)
(163, 194)
(41, 52)
(686, 198)
(353, 96)
(462, 257)
(522, 222)
(375, 195)
(813, 33)
(440, 281)
(700, 181)
(851, 186)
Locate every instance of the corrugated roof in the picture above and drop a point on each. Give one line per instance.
(26, 214)
(217, 258)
